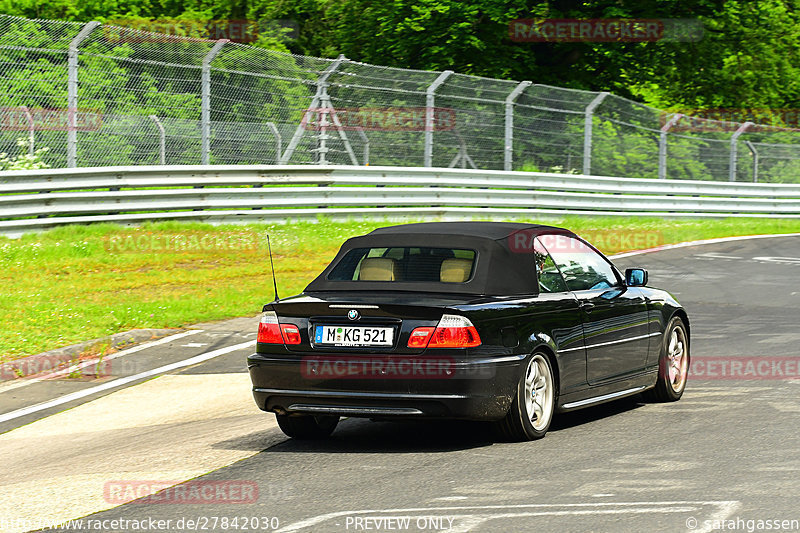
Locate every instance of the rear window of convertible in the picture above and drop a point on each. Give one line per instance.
(445, 265)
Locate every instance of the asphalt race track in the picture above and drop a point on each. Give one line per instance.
(725, 456)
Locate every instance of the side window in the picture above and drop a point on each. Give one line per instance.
(549, 277)
(582, 267)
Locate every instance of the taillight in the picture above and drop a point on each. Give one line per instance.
(453, 331)
(419, 337)
(271, 332)
(291, 335)
(268, 330)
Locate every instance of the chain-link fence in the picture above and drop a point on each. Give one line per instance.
(98, 95)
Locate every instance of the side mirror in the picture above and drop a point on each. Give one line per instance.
(635, 277)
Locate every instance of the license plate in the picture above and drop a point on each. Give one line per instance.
(353, 336)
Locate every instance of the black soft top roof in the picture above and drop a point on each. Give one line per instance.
(501, 267)
(489, 230)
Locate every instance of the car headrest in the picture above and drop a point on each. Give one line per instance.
(378, 269)
(455, 270)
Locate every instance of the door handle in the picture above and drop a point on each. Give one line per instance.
(587, 306)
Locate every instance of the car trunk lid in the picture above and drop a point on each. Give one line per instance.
(373, 323)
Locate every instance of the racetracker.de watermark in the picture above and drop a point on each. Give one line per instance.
(535, 30)
(162, 31)
(380, 118)
(62, 365)
(397, 367)
(730, 119)
(140, 242)
(56, 119)
(523, 241)
(174, 492)
(213, 522)
(745, 368)
(35, 365)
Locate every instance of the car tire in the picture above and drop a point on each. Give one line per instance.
(534, 404)
(673, 364)
(307, 427)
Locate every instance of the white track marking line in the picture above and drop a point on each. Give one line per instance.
(700, 243)
(122, 381)
(472, 521)
(468, 524)
(21, 382)
(724, 509)
(724, 512)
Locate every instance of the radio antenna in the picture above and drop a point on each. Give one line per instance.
(272, 266)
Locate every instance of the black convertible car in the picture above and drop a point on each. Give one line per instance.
(475, 320)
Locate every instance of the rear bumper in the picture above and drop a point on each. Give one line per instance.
(478, 389)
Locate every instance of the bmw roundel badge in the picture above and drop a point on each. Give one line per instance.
(353, 314)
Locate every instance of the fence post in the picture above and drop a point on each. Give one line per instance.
(162, 140)
(72, 92)
(508, 142)
(753, 151)
(205, 101)
(31, 130)
(322, 125)
(278, 141)
(365, 140)
(587, 131)
(662, 145)
(734, 155)
(429, 118)
(298, 132)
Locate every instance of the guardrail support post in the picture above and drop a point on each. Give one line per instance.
(753, 151)
(734, 154)
(662, 145)
(72, 92)
(298, 133)
(587, 131)
(31, 130)
(430, 100)
(162, 140)
(508, 142)
(205, 102)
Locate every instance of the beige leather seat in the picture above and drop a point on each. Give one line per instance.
(455, 270)
(378, 269)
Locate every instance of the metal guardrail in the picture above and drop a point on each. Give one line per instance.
(32, 200)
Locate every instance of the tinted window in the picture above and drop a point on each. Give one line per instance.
(582, 267)
(416, 264)
(547, 273)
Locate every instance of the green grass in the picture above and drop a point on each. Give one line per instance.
(77, 283)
